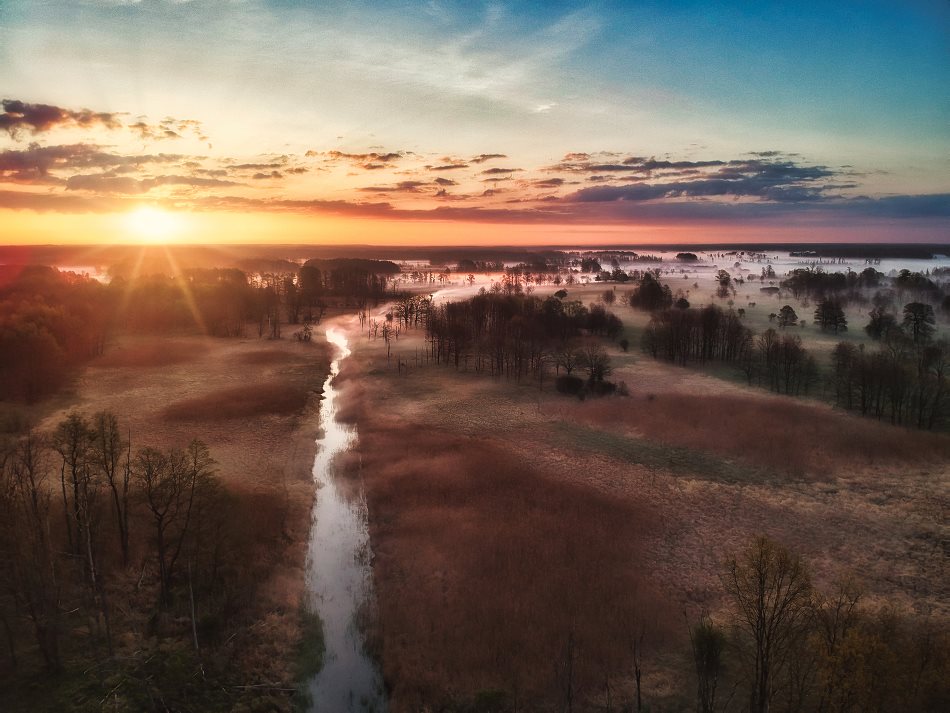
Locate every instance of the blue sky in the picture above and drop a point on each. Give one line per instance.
(861, 88)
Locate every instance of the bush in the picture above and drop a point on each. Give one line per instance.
(601, 388)
(569, 385)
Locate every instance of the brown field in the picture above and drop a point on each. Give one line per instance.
(150, 353)
(499, 513)
(246, 402)
(254, 403)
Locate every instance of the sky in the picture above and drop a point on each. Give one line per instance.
(229, 121)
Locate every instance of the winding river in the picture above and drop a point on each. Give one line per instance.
(338, 566)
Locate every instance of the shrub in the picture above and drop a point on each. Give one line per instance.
(569, 384)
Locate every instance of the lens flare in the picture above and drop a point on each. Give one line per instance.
(154, 225)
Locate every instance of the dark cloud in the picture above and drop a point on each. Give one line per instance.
(770, 180)
(401, 187)
(371, 161)
(934, 205)
(651, 164)
(213, 172)
(256, 166)
(263, 176)
(168, 128)
(499, 171)
(18, 116)
(482, 157)
(445, 181)
(40, 163)
(447, 167)
(548, 183)
(575, 156)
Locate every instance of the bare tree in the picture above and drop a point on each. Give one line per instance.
(593, 357)
(112, 456)
(25, 497)
(771, 590)
(171, 483)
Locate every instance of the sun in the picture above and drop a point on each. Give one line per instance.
(154, 225)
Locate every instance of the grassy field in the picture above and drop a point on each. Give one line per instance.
(504, 518)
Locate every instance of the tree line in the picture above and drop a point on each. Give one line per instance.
(904, 380)
(517, 336)
(710, 334)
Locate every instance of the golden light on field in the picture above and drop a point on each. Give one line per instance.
(154, 225)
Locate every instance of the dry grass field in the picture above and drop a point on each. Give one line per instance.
(503, 517)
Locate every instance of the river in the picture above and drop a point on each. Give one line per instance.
(339, 571)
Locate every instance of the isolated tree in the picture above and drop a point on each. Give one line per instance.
(787, 317)
(567, 357)
(609, 297)
(650, 295)
(593, 357)
(771, 590)
(725, 284)
(835, 619)
(830, 316)
(919, 320)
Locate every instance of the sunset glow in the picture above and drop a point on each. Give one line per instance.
(393, 122)
(154, 225)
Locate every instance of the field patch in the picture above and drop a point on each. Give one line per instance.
(239, 402)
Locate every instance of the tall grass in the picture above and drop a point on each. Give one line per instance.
(777, 434)
(487, 572)
(239, 402)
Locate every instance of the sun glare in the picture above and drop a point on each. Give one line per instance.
(154, 225)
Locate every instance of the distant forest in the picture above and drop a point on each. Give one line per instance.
(905, 379)
(52, 321)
